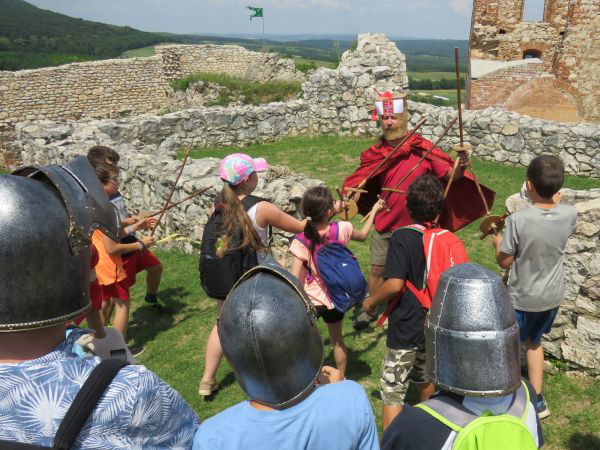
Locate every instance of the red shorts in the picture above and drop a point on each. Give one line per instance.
(96, 295)
(137, 261)
(119, 290)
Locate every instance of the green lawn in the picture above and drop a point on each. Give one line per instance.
(175, 344)
(142, 52)
(432, 75)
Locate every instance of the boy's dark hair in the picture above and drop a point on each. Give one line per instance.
(425, 198)
(99, 154)
(105, 171)
(547, 174)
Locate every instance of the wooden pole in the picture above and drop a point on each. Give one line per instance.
(173, 205)
(164, 209)
(460, 121)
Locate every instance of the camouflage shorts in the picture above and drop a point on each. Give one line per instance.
(398, 369)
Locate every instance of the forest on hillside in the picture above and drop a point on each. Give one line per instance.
(33, 37)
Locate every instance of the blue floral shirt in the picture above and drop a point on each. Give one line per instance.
(138, 409)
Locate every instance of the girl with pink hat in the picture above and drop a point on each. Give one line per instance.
(239, 174)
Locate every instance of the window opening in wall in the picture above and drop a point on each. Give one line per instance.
(533, 11)
(528, 54)
(501, 31)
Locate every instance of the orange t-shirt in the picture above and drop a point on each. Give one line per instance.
(109, 269)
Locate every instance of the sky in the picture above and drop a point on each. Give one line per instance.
(440, 19)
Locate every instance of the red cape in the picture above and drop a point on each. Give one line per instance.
(463, 204)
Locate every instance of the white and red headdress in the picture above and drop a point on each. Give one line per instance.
(388, 104)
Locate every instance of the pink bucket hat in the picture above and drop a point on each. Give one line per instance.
(236, 168)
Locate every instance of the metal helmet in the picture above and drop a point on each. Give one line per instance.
(472, 337)
(268, 332)
(47, 215)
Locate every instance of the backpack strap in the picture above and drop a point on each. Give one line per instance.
(454, 415)
(250, 200)
(85, 401)
(334, 232)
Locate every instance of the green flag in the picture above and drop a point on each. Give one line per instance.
(255, 12)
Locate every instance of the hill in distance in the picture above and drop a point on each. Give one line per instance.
(33, 37)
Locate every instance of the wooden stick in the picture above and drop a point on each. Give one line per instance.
(364, 219)
(345, 216)
(454, 167)
(187, 153)
(460, 121)
(487, 209)
(419, 124)
(173, 205)
(435, 144)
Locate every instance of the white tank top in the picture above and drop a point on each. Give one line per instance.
(263, 233)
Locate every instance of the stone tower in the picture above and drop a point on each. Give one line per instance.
(548, 69)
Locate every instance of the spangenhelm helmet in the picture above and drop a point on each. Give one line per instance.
(269, 335)
(47, 215)
(472, 337)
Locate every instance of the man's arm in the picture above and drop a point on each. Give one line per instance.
(463, 163)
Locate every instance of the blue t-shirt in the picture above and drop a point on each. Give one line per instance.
(333, 416)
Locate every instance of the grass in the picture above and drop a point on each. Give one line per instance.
(253, 93)
(175, 343)
(431, 75)
(143, 52)
(415, 95)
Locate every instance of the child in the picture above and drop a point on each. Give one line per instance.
(109, 270)
(136, 261)
(318, 206)
(405, 346)
(533, 247)
(239, 174)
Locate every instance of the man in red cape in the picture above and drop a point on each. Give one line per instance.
(463, 204)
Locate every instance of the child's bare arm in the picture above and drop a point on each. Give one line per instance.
(388, 290)
(269, 214)
(504, 260)
(297, 266)
(115, 248)
(361, 235)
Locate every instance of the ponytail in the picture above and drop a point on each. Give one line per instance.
(236, 218)
(316, 203)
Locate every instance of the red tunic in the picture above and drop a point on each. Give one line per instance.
(463, 204)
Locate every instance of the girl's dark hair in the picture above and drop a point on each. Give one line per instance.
(105, 171)
(425, 198)
(316, 203)
(547, 174)
(236, 218)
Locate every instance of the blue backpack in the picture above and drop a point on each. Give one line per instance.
(338, 268)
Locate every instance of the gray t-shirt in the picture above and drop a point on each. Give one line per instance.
(537, 238)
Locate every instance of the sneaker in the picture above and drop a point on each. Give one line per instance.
(542, 407)
(362, 320)
(207, 388)
(137, 350)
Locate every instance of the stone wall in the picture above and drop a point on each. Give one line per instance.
(121, 87)
(564, 41)
(575, 336)
(182, 60)
(93, 89)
